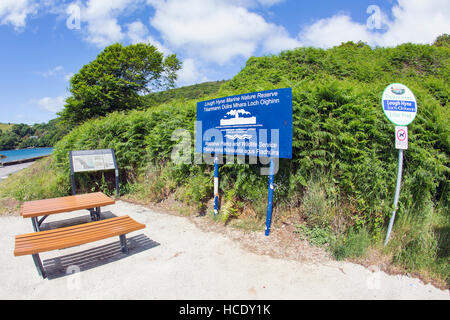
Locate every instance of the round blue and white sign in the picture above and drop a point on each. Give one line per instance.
(399, 104)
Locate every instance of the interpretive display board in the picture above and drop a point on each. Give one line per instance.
(93, 160)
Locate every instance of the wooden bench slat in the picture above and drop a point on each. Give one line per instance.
(70, 238)
(72, 241)
(53, 232)
(84, 227)
(67, 199)
(64, 204)
(75, 235)
(45, 210)
(54, 204)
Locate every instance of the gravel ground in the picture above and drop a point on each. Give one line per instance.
(175, 258)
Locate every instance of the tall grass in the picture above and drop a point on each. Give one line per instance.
(41, 180)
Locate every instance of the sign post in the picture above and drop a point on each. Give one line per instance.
(400, 107)
(256, 125)
(216, 185)
(270, 196)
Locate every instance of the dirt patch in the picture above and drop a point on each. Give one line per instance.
(282, 243)
(9, 207)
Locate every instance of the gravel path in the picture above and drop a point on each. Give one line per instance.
(5, 171)
(173, 259)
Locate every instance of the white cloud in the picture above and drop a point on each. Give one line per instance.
(415, 21)
(101, 27)
(190, 73)
(279, 40)
(15, 12)
(51, 104)
(137, 32)
(269, 3)
(333, 31)
(216, 31)
(57, 71)
(101, 20)
(52, 72)
(68, 76)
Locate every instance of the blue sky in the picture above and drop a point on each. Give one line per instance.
(43, 43)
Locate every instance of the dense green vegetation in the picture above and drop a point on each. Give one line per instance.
(19, 136)
(338, 188)
(183, 93)
(116, 79)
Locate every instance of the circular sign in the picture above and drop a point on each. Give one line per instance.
(399, 104)
(402, 135)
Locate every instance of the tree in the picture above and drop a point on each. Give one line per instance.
(116, 80)
(22, 129)
(9, 140)
(442, 41)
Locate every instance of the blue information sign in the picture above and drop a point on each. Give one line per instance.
(253, 124)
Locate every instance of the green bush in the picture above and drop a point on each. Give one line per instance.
(353, 245)
(317, 236)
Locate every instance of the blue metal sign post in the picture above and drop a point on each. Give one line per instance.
(216, 185)
(257, 124)
(270, 196)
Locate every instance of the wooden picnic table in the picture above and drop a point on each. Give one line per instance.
(90, 201)
(42, 241)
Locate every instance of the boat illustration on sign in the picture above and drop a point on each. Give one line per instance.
(236, 119)
(397, 90)
(238, 136)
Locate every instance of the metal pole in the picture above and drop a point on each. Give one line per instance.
(270, 196)
(216, 185)
(72, 173)
(397, 194)
(116, 171)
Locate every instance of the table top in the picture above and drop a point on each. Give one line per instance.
(44, 207)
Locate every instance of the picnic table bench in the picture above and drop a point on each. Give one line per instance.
(42, 241)
(90, 201)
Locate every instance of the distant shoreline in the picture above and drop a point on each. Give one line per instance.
(16, 156)
(19, 161)
(26, 148)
